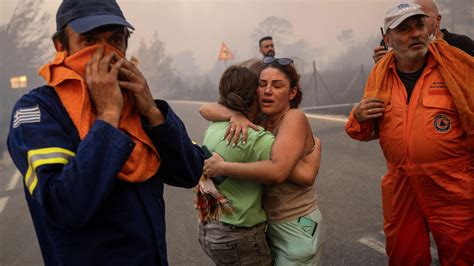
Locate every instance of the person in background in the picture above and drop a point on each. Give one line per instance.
(433, 22)
(419, 103)
(95, 149)
(266, 47)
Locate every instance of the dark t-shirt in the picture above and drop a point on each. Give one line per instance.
(409, 80)
(462, 42)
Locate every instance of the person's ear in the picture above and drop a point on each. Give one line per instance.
(293, 92)
(387, 39)
(58, 45)
(438, 22)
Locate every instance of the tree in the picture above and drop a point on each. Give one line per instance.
(279, 28)
(157, 67)
(302, 53)
(23, 49)
(346, 36)
(458, 15)
(186, 64)
(24, 38)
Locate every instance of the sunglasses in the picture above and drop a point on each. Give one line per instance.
(280, 61)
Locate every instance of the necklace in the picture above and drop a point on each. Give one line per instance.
(271, 126)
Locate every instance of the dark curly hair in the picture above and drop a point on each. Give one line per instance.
(294, 78)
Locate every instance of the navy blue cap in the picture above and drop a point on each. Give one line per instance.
(85, 15)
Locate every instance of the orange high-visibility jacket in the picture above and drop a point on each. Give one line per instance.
(430, 177)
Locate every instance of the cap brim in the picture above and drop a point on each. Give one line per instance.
(85, 24)
(398, 21)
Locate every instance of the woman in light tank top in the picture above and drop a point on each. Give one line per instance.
(295, 230)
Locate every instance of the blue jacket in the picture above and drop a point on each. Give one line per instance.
(82, 213)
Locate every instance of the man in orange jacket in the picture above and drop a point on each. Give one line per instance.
(419, 102)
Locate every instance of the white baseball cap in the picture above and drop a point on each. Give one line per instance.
(399, 13)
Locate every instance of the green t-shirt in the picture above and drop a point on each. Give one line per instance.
(245, 196)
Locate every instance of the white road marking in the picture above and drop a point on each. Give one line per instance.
(327, 106)
(3, 203)
(11, 185)
(380, 247)
(434, 253)
(189, 102)
(328, 117)
(13, 181)
(373, 243)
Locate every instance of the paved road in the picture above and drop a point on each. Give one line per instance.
(348, 195)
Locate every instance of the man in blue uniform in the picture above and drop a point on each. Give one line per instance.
(95, 149)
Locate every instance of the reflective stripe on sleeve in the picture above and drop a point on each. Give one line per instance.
(39, 157)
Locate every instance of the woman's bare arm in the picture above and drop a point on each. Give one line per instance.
(287, 150)
(238, 123)
(216, 112)
(307, 168)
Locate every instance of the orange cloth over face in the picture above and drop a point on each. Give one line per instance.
(456, 68)
(67, 75)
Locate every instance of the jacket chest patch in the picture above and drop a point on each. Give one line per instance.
(438, 85)
(442, 123)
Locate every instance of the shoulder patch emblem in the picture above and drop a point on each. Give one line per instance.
(442, 123)
(26, 115)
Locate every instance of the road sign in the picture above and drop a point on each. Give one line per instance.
(225, 53)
